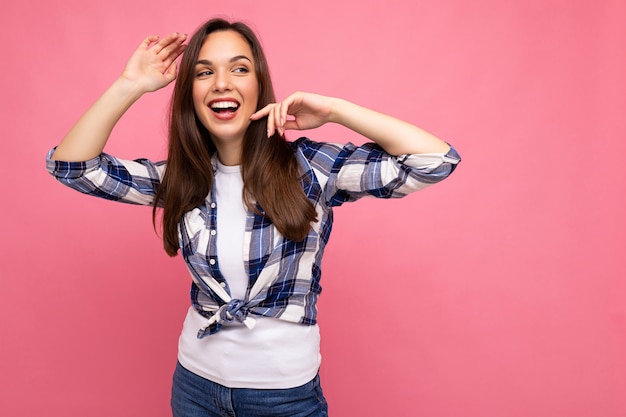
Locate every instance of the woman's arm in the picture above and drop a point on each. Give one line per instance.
(151, 67)
(309, 111)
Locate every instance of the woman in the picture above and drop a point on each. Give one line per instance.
(250, 211)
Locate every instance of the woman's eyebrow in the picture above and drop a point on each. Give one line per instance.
(233, 59)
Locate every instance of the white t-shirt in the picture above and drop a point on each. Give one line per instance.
(274, 354)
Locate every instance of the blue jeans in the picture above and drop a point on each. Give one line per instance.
(194, 396)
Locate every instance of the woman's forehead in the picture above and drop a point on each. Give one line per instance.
(224, 46)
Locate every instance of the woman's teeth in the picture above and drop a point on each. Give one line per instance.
(222, 106)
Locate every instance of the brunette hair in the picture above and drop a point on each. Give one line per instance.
(269, 167)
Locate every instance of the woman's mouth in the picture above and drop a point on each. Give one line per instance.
(224, 109)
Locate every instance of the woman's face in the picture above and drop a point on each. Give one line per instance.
(225, 89)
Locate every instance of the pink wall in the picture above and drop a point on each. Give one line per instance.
(500, 292)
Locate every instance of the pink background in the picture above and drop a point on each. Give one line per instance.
(499, 292)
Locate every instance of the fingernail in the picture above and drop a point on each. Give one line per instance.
(268, 133)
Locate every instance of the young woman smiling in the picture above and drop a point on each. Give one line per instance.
(250, 211)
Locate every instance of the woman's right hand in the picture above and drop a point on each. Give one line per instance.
(153, 64)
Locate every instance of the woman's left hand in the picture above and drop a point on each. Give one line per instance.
(308, 111)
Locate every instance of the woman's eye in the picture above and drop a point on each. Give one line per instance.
(241, 70)
(204, 73)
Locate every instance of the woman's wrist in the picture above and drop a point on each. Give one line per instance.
(127, 89)
(338, 110)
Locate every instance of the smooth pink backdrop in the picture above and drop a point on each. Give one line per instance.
(500, 292)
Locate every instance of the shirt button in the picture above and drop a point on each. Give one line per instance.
(212, 205)
(213, 232)
(212, 261)
(223, 284)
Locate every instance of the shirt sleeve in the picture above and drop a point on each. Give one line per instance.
(133, 182)
(354, 172)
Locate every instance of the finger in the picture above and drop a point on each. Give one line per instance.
(170, 73)
(281, 115)
(276, 115)
(147, 41)
(168, 44)
(174, 55)
(273, 116)
(262, 112)
(284, 109)
(270, 121)
(265, 112)
(172, 49)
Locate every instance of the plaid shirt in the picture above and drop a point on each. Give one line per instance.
(284, 276)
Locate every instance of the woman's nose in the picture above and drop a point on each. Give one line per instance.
(222, 82)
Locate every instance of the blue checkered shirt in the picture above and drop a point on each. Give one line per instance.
(284, 276)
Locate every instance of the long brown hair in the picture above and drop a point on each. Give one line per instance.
(268, 165)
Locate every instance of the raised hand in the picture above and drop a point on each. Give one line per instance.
(308, 111)
(153, 64)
